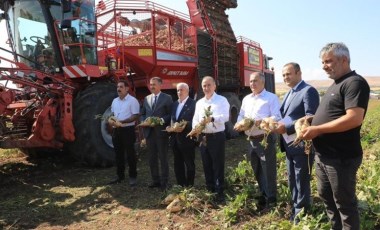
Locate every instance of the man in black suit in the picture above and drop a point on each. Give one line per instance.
(157, 104)
(183, 147)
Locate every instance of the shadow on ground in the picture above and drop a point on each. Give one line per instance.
(55, 192)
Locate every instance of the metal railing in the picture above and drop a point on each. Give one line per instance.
(142, 5)
(247, 40)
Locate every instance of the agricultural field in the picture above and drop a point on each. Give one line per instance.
(322, 85)
(54, 192)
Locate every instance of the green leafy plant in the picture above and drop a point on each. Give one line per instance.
(241, 184)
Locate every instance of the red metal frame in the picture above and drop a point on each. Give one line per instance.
(200, 17)
(135, 61)
(247, 47)
(150, 60)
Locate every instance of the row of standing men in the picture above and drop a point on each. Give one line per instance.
(335, 132)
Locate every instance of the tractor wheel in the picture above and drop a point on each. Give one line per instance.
(235, 105)
(93, 144)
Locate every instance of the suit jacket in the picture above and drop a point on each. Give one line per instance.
(187, 114)
(162, 110)
(303, 101)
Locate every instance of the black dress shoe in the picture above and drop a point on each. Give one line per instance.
(116, 181)
(154, 185)
(132, 181)
(261, 201)
(220, 198)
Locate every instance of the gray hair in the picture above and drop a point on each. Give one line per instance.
(339, 49)
(183, 85)
(260, 74)
(295, 65)
(158, 79)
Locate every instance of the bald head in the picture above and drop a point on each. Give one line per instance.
(257, 82)
(208, 86)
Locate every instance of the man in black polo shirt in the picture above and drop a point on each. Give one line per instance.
(335, 132)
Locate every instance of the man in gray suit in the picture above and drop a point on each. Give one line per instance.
(157, 104)
(301, 100)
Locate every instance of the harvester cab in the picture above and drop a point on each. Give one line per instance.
(47, 35)
(51, 45)
(77, 32)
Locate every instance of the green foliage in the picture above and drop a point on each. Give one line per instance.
(237, 205)
(154, 121)
(241, 184)
(283, 192)
(368, 174)
(9, 153)
(195, 200)
(241, 175)
(370, 131)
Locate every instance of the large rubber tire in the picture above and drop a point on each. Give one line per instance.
(235, 105)
(92, 145)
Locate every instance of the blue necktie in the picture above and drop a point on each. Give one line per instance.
(154, 102)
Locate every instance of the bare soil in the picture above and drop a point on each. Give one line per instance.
(56, 193)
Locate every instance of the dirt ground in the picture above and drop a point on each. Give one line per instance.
(56, 193)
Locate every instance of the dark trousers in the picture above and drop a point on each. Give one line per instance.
(213, 158)
(264, 166)
(184, 166)
(298, 168)
(336, 187)
(123, 140)
(158, 153)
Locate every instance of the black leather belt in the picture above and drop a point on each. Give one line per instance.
(212, 134)
(124, 127)
(257, 137)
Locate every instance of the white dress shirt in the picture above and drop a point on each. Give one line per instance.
(258, 107)
(220, 109)
(180, 106)
(125, 108)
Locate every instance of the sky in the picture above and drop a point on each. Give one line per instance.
(296, 30)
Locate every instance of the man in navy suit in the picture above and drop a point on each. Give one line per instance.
(183, 147)
(300, 101)
(157, 104)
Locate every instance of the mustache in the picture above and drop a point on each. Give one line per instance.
(119, 91)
